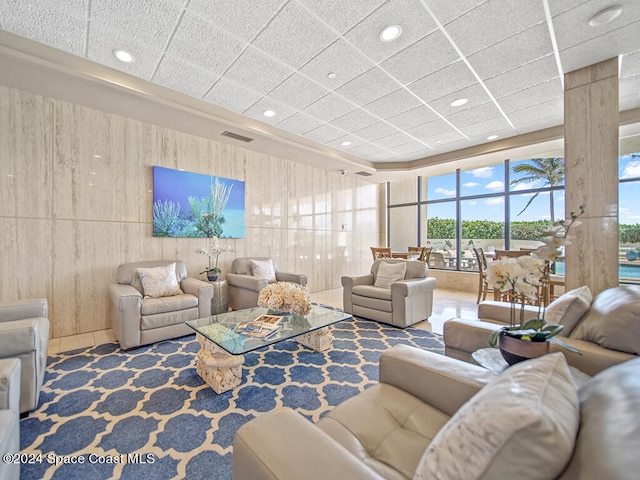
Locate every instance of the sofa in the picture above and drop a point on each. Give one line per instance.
(154, 307)
(436, 417)
(605, 329)
(396, 291)
(24, 334)
(249, 275)
(9, 417)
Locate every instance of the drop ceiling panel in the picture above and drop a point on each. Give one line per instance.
(341, 15)
(450, 79)
(434, 53)
(475, 94)
(394, 140)
(523, 76)
(184, 77)
(393, 104)
(355, 120)
(499, 21)
(228, 94)
(256, 71)
(413, 147)
(474, 114)
(446, 10)
(294, 36)
(369, 86)
(416, 23)
(630, 65)
(329, 107)
(494, 126)
(517, 50)
(198, 41)
(364, 149)
(299, 123)
(235, 17)
(413, 117)
(298, 91)
(355, 141)
(325, 133)
(257, 111)
(376, 131)
(531, 96)
(543, 114)
(431, 129)
(383, 156)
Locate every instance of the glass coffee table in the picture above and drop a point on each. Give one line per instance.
(222, 349)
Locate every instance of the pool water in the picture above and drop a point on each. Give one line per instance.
(626, 270)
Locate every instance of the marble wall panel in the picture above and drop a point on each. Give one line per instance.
(25, 154)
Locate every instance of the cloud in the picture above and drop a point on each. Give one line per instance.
(445, 192)
(472, 202)
(632, 169)
(494, 201)
(484, 172)
(526, 185)
(496, 185)
(470, 184)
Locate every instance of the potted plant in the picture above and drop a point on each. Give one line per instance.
(522, 278)
(213, 252)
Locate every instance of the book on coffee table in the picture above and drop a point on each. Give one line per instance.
(261, 327)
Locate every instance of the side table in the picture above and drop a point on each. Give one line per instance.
(491, 359)
(220, 300)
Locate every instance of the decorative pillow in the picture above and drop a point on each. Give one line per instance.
(522, 425)
(389, 273)
(159, 281)
(263, 269)
(614, 320)
(569, 308)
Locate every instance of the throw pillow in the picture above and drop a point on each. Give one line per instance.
(159, 281)
(264, 269)
(522, 425)
(569, 308)
(389, 273)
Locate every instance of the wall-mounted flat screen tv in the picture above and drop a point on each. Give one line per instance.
(194, 205)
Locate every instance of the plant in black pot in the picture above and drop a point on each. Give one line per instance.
(523, 278)
(213, 252)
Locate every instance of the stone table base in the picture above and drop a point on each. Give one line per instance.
(221, 370)
(318, 340)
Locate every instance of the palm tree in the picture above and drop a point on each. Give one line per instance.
(549, 170)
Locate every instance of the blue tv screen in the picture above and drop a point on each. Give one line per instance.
(194, 205)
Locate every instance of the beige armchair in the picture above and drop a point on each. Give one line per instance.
(138, 320)
(9, 416)
(245, 282)
(24, 334)
(400, 301)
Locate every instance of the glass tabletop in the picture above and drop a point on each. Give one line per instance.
(221, 328)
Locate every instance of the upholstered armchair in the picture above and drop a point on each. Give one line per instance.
(152, 300)
(397, 291)
(249, 275)
(9, 416)
(24, 334)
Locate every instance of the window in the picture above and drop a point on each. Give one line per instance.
(629, 217)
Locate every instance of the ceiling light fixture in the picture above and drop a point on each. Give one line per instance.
(459, 102)
(492, 137)
(124, 56)
(345, 144)
(390, 33)
(269, 113)
(331, 75)
(605, 16)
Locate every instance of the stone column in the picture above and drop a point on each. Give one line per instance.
(591, 120)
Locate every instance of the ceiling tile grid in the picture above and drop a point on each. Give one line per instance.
(392, 100)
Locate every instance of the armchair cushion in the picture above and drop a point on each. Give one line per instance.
(523, 425)
(159, 281)
(263, 269)
(389, 273)
(569, 308)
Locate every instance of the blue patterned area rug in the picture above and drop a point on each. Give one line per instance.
(109, 414)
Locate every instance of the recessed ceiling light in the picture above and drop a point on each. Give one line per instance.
(605, 16)
(269, 113)
(331, 75)
(97, 156)
(124, 56)
(345, 144)
(492, 137)
(390, 33)
(459, 102)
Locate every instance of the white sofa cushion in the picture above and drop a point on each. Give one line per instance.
(263, 269)
(523, 425)
(159, 281)
(569, 308)
(389, 273)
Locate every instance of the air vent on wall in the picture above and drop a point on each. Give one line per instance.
(364, 174)
(235, 136)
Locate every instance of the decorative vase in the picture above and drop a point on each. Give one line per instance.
(631, 256)
(514, 350)
(212, 276)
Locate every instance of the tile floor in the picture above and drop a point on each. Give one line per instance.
(446, 304)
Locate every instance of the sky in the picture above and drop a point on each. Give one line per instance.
(489, 180)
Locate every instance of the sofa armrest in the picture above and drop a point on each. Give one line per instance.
(490, 310)
(407, 288)
(442, 382)
(201, 289)
(125, 320)
(592, 357)
(467, 336)
(10, 384)
(33, 307)
(284, 445)
(299, 278)
(22, 336)
(247, 282)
